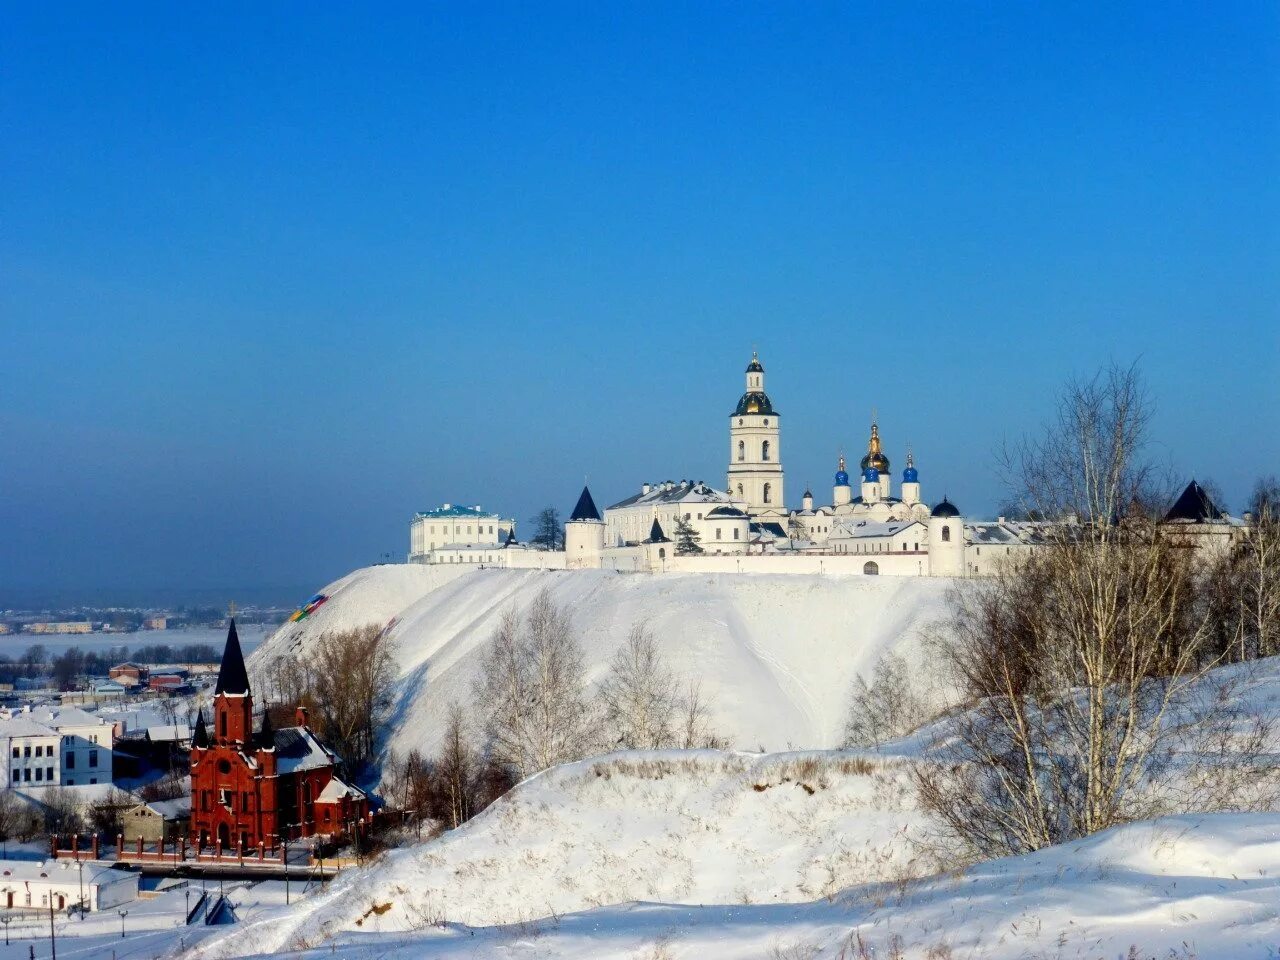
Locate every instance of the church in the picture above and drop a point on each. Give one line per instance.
(253, 788)
(866, 527)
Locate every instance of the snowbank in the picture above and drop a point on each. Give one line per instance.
(776, 654)
(1204, 887)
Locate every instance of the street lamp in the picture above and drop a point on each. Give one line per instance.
(6, 920)
(80, 864)
(123, 914)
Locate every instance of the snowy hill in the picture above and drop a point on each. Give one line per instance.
(776, 654)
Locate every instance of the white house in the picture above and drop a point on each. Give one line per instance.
(455, 529)
(34, 885)
(56, 745)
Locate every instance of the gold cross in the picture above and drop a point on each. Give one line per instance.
(231, 609)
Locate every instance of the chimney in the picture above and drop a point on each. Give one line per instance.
(644, 488)
(300, 717)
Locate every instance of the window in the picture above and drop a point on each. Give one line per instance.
(39, 750)
(764, 450)
(93, 780)
(39, 774)
(26, 751)
(16, 752)
(26, 776)
(871, 568)
(718, 535)
(71, 761)
(224, 797)
(48, 774)
(736, 531)
(17, 774)
(946, 534)
(742, 450)
(71, 783)
(93, 758)
(768, 493)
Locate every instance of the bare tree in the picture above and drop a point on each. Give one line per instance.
(639, 697)
(105, 816)
(456, 770)
(1074, 656)
(694, 730)
(62, 813)
(531, 690)
(347, 688)
(891, 705)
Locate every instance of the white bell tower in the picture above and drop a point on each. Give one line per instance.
(755, 455)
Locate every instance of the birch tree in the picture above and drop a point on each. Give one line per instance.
(1080, 662)
(532, 690)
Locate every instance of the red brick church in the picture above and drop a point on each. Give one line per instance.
(257, 787)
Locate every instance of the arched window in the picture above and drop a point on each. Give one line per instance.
(871, 568)
(742, 450)
(946, 534)
(764, 450)
(740, 494)
(768, 490)
(662, 553)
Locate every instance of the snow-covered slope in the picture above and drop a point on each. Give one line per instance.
(1203, 887)
(776, 655)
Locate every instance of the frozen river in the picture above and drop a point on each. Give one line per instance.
(251, 637)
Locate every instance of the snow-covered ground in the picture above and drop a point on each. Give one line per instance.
(776, 655)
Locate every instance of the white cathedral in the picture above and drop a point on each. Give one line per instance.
(691, 526)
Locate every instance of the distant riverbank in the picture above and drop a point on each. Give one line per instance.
(251, 637)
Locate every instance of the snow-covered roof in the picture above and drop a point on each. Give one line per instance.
(24, 726)
(66, 871)
(873, 529)
(686, 491)
(67, 717)
(169, 732)
(178, 808)
(297, 749)
(336, 790)
(452, 510)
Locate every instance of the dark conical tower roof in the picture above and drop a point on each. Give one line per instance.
(201, 736)
(586, 508)
(1194, 505)
(655, 533)
(232, 676)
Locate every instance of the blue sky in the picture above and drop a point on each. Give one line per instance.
(273, 277)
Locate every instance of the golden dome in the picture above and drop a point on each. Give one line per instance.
(875, 456)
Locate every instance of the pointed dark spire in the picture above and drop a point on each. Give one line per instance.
(511, 537)
(1194, 505)
(267, 737)
(655, 533)
(201, 736)
(586, 508)
(232, 676)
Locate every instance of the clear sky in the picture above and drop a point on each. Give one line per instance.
(272, 277)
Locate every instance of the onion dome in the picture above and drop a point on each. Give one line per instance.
(808, 494)
(842, 478)
(754, 366)
(910, 475)
(945, 509)
(871, 475)
(875, 456)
